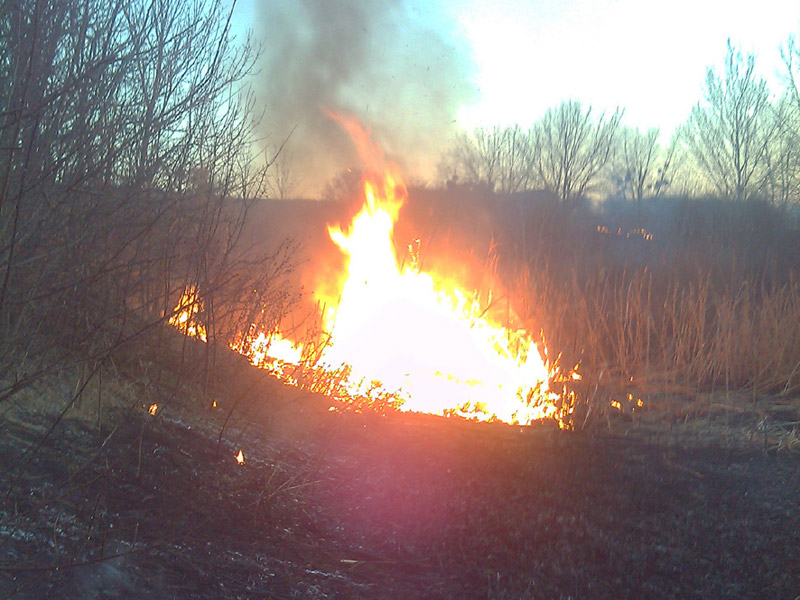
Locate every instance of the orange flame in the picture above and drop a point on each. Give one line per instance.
(421, 334)
(414, 339)
(186, 312)
(240, 457)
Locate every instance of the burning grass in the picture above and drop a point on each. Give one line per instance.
(395, 336)
(651, 305)
(417, 506)
(686, 300)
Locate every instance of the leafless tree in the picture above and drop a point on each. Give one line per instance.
(475, 158)
(497, 159)
(126, 171)
(127, 166)
(790, 52)
(729, 134)
(516, 173)
(642, 168)
(282, 180)
(783, 158)
(571, 148)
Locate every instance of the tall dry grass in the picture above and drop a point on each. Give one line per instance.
(709, 304)
(692, 335)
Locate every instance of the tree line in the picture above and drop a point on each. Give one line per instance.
(738, 143)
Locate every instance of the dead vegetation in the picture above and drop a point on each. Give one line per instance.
(118, 434)
(690, 494)
(648, 305)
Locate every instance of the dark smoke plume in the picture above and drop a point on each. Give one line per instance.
(398, 66)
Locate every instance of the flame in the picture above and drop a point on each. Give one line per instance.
(240, 457)
(278, 355)
(417, 341)
(275, 348)
(419, 335)
(425, 337)
(153, 409)
(186, 313)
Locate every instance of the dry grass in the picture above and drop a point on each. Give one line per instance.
(681, 298)
(705, 308)
(692, 334)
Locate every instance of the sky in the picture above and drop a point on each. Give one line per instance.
(416, 72)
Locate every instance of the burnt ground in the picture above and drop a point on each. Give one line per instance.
(349, 505)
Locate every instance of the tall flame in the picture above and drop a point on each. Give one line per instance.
(420, 334)
(417, 338)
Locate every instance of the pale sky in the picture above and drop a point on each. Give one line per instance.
(647, 57)
(416, 71)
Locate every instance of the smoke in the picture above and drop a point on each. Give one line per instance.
(398, 66)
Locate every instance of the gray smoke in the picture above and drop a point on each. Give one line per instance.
(397, 66)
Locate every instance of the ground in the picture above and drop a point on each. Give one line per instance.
(359, 505)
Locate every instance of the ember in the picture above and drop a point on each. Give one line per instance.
(186, 315)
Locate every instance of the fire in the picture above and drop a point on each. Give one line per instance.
(265, 347)
(240, 457)
(416, 340)
(153, 409)
(418, 335)
(186, 312)
(425, 337)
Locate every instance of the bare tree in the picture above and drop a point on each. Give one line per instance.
(516, 173)
(126, 171)
(790, 52)
(127, 166)
(571, 148)
(783, 158)
(729, 135)
(497, 159)
(475, 158)
(642, 168)
(282, 182)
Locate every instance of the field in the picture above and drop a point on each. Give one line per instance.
(671, 299)
(692, 493)
(119, 503)
(169, 425)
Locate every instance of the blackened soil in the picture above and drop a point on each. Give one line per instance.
(407, 506)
